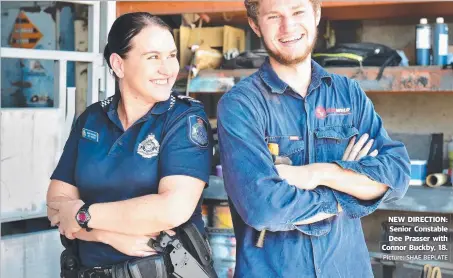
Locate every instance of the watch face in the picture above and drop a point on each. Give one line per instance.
(82, 217)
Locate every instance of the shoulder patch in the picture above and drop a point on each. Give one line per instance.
(106, 101)
(198, 131)
(188, 99)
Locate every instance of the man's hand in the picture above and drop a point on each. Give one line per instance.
(355, 151)
(65, 216)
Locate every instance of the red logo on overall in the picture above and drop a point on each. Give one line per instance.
(320, 112)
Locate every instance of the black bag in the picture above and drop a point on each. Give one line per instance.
(359, 54)
(246, 60)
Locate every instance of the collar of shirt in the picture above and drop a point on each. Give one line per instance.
(159, 108)
(278, 86)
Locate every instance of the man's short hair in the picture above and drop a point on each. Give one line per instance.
(253, 6)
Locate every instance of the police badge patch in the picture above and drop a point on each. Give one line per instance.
(198, 131)
(149, 147)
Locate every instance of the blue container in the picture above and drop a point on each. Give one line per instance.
(423, 42)
(418, 172)
(440, 50)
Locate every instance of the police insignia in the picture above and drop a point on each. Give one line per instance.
(149, 147)
(198, 132)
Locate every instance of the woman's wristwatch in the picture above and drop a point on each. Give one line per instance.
(83, 217)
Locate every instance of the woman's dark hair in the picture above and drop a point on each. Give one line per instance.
(125, 28)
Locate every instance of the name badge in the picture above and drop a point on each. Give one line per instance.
(90, 135)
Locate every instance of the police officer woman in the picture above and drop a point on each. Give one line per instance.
(136, 163)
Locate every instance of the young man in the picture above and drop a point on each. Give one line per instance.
(312, 208)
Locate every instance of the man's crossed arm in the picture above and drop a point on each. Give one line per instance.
(276, 197)
(310, 176)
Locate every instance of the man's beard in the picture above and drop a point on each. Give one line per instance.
(288, 61)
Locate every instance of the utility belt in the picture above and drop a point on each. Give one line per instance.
(151, 266)
(185, 255)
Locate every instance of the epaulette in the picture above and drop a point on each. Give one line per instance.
(172, 102)
(106, 101)
(190, 100)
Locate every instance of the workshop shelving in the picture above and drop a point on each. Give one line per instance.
(234, 11)
(394, 80)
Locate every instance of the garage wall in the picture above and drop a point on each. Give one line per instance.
(417, 113)
(408, 113)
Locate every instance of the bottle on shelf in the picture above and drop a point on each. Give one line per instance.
(440, 50)
(423, 42)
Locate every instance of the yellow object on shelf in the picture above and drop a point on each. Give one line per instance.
(207, 58)
(222, 217)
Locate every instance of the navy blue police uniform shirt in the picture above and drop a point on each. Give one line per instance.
(108, 164)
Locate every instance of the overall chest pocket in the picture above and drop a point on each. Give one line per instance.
(331, 142)
(289, 146)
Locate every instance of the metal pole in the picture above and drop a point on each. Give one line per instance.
(108, 16)
(1, 89)
(93, 46)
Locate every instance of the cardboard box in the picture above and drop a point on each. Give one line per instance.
(222, 38)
